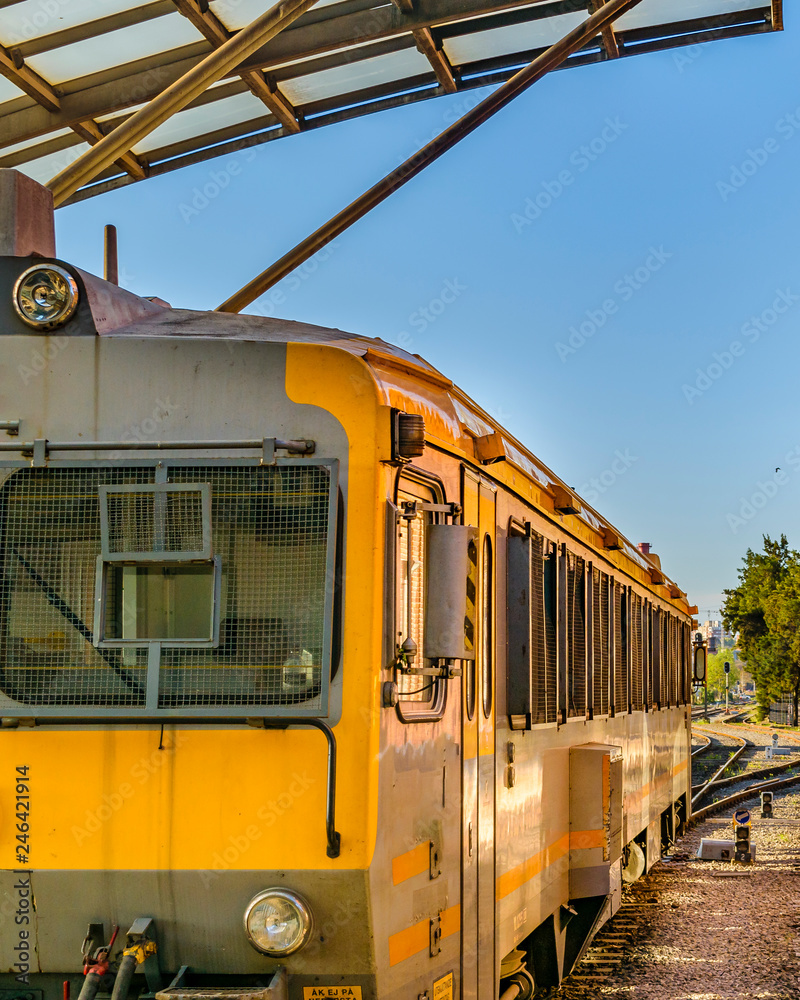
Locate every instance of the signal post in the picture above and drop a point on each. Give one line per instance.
(699, 673)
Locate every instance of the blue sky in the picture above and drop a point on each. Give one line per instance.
(647, 209)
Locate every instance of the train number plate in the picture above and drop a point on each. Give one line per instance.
(331, 993)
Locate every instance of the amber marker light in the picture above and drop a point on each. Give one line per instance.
(45, 296)
(278, 922)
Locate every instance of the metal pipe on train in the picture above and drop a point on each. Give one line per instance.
(313, 679)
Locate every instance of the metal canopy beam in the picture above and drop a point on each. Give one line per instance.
(100, 26)
(13, 67)
(209, 25)
(521, 81)
(130, 162)
(120, 87)
(211, 69)
(333, 110)
(610, 41)
(432, 50)
(113, 90)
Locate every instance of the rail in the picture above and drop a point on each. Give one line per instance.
(706, 746)
(724, 767)
(747, 793)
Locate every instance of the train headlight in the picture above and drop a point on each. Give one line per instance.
(278, 922)
(45, 296)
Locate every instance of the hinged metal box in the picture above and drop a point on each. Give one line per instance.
(595, 819)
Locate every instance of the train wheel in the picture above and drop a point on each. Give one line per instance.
(633, 862)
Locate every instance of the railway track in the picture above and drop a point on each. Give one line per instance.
(634, 929)
(612, 946)
(729, 750)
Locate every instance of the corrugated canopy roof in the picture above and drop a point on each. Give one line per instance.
(72, 70)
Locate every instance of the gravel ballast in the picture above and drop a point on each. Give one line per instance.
(719, 931)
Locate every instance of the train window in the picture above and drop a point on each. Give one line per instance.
(620, 650)
(487, 631)
(686, 660)
(672, 660)
(656, 690)
(549, 582)
(166, 602)
(637, 653)
(470, 677)
(410, 603)
(530, 629)
(600, 642)
(252, 625)
(576, 635)
(647, 646)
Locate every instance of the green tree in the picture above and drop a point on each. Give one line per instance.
(715, 673)
(765, 610)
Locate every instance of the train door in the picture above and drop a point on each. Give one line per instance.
(478, 779)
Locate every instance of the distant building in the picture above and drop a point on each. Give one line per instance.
(716, 636)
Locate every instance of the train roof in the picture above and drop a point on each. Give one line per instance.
(70, 77)
(452, 418)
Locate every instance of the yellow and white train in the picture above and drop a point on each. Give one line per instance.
(313, 681)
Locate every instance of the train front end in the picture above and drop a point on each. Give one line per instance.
(188, 754)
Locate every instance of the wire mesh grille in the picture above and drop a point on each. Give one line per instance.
(156, 520)
(686, 665)
(270, 531)
(538, 632)
(270, 528)
(673, 660)
(576, 636)
(620, 653)
(50, 544)
(551, 635)
(600, 665)
(657, 692)
(637, 657)
(647, 651)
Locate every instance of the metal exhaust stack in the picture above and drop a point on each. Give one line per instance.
(27, 222)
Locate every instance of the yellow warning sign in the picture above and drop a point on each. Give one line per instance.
(333, 993)
(443, 988)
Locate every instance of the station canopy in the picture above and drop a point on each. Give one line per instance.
(73, 70)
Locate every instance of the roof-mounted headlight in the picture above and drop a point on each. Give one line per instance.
(278, 922)
(45, 296)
